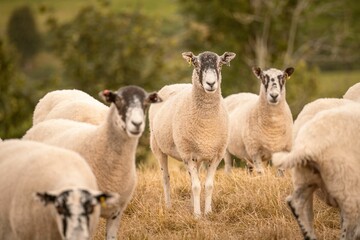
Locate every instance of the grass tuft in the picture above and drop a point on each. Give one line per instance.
(244, 207)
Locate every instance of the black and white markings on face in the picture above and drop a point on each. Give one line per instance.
(74, 209)
(274, 82)
(132, 109)
(209, 71)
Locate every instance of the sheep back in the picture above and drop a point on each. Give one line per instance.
(70, 104)
(353, 93)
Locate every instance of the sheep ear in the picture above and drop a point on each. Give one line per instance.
(190, 58)
(257, 71)
(108, 96)
(45, 197)
(106, 198)
(226, 58)
(153, 98)
(288, 71)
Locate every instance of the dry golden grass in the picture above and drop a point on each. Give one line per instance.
(244, 207)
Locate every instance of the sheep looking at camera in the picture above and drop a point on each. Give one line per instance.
(260, 125)
(109, 147)
(192, 125)
(60, 179)
(326, 155)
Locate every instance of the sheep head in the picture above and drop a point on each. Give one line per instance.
(74, 210)
(207, 68)
(273, 83)
(131, 103)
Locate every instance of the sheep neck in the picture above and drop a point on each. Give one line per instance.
(202, 100)
(119, 149)
(271, 117)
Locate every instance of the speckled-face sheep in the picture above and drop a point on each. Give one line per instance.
(192, 125)
(260, 125)
(353, 93)
(47, 193)
(70, 104)
(108, 147)
(326, 155)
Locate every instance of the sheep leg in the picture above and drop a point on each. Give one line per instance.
(301, 205)
(112, 225)
(163, 160)
(228, 162)
(195, 186)
(258, 164)
(209, 184)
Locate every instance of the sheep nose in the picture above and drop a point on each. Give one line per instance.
(274, 95)
(136, 124)
(210, 84)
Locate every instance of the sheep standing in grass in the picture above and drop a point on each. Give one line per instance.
(108, 147)
(70, 104)
(260, 125)
(60, 179)
(353, 93)
(326, 155)
(192, 125)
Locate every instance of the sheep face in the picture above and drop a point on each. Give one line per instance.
(207, 67)
(75, 209)
(132, 103)
(273, 83)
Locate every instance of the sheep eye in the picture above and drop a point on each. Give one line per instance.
(89, 208)
(60, 210)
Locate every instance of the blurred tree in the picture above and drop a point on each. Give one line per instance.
(101, 49)
(275, 33)
(22, 32)
(16, 104)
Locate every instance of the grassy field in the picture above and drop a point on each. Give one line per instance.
(244, 207)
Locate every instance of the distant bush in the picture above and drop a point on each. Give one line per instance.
(22, 32)
(16, 104)
(102, 49)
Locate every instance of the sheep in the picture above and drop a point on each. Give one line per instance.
(70, 104)
(326, 155)
(191, 125)
(312, 108)
(260, 125)
(109, 147)
(32, 173)
(353, 93)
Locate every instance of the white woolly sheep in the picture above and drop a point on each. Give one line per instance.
(60, 179)
(353, 93)
(70, 104)
(326, 155)
(192, 125)
(260, 125)
(109, 147)
(312, 108)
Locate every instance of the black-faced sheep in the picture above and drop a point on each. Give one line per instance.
(260, 125)
(192, 124)
(108, 147)
(69, 200)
